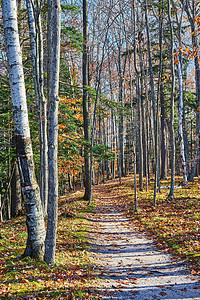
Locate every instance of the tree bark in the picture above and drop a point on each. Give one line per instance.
(36, 42)
(34, 213)
(16, 196)
(121, 116)
(138, 96)
(50, 243)
(192, 11)
(155, 112)
(86, 115)
(163, 174)
(180, 120)
(172, 139)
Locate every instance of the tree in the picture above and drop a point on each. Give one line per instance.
(191, 8)
(86, 116)
(34, 213)
(171, 193)
(181, 98)
(50, 243)
(155, 118)
(36, 43)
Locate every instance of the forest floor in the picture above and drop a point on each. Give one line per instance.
(130, 263)
(106, 251)
(71, 277)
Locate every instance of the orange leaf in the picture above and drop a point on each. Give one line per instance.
(176, 61)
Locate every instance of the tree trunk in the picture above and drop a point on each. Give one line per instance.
(140, 161)
(192, 13)
(155, 118)
(121, 117)
(43, 122)
(36, 42)
(86, 115)
(112, 122)
(163, 174)
(50, 243)
(133, 136)
(172, 139)
(70, 182)
(180, 120)
(34, 213)
(16, 196)
(197, 81)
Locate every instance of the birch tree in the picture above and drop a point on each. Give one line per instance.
(36, 43)
(181, 97)
(34, 213)
(50, 243)
(192, 9)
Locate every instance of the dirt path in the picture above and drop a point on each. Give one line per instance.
(131, 266)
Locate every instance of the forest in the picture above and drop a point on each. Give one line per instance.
(96, 98)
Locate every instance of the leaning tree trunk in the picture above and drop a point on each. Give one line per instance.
(34, 213)
(50, 243)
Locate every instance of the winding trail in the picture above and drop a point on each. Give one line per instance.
(130, 265)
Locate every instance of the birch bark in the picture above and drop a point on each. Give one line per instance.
(43, 120)
(34, 213)
(181, 97)
(180, 121)
(192, 10)
(36, 42)
(50, 243)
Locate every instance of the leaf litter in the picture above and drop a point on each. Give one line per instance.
(70, 278)
(141, 269)
(129, 264)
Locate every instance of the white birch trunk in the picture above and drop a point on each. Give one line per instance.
(50, 244)
(34, 212)
(36, 42)
(43, 120)
(180, 121)
(33, 44)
